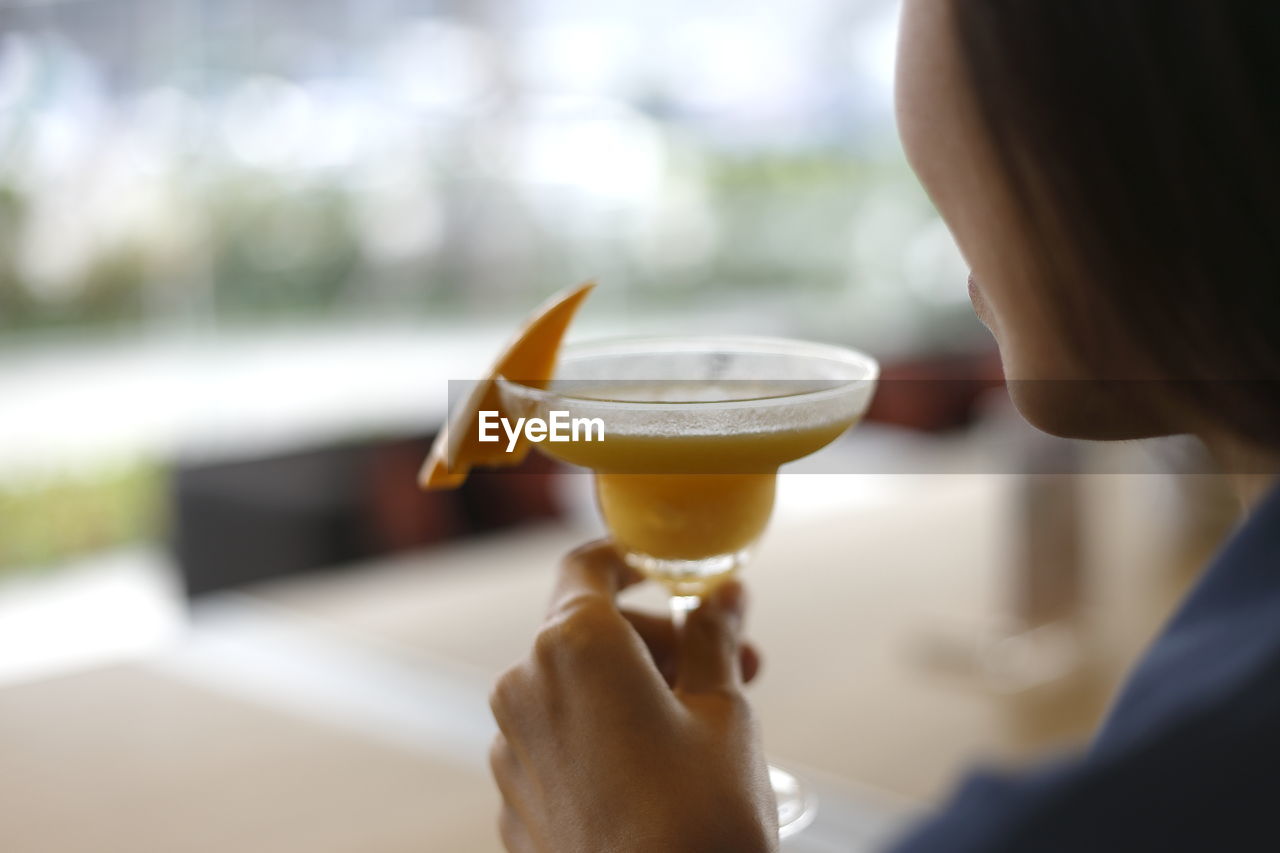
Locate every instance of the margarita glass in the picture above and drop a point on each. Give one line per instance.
(694, 431)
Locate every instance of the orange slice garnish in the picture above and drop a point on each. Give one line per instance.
(531, 359)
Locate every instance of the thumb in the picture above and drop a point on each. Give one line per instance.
(709, 642)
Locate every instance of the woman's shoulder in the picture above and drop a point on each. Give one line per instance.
(1185, 761)
(1223, 642)
(1201, 777)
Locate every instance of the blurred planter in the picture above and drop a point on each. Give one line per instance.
(53, 519)
(936, 393)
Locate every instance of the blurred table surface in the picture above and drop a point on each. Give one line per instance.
(347, 711)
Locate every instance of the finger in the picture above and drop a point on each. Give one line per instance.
(506, 770)
(499, 756)
(512, 831)
(709, 642)
(509, 693)
(657, 631)
(503, 766)
(659, 635)
(591, 572)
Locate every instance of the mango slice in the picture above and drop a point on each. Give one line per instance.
(530, 358)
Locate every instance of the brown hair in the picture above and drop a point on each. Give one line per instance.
(1142, 140)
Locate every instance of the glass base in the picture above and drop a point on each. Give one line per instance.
(797, 806)
(688, 577)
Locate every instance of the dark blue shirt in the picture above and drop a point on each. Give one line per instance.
(1189, 757)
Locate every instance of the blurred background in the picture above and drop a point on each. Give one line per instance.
(238, 225)
(238, 229)
(244, 246)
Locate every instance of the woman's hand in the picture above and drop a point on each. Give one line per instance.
(600, 751)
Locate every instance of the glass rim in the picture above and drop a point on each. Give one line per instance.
(647, 344)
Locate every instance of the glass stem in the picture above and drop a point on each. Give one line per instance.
(681, 607)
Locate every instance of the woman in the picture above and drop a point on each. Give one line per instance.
(1109, 169)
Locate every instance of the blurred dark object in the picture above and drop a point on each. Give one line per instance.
(245, 521)
(936, 393)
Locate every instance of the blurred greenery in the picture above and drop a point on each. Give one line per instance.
(109, 294)
(785, 219)
(278, 250)
(266, 246)
(54, 519)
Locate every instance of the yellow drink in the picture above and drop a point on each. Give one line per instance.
(685, 516)
(672, 502)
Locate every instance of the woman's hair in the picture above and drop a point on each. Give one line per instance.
(1142, 141)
